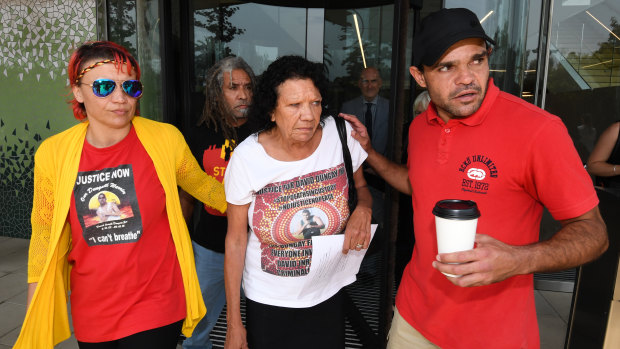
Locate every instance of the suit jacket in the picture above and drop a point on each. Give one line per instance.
(357, 107)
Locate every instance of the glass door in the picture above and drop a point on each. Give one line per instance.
(257, 33)
(135, 24)
(356, 39)
(505, 22)
(345, 40)
(584, 69)
(583, 88)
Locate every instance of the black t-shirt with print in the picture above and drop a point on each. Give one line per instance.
(212, 151)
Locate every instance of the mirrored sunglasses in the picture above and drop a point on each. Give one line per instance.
(105, 87)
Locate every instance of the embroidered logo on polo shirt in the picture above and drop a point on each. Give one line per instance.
(478, 171)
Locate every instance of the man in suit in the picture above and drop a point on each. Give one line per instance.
(371, 109)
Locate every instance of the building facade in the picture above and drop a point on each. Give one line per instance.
(36, 39)
(561, 55)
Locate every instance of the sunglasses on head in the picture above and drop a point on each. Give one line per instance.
(105, 87)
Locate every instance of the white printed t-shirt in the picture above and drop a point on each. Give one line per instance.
(277, 256)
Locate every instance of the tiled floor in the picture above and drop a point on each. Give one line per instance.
(552, 307)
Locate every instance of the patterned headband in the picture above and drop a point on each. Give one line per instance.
(91, 67)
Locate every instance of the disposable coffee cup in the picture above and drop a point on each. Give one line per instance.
(455, 223)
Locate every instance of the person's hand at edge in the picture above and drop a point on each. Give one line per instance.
(359, 131)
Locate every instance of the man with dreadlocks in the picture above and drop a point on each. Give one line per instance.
(223, 124)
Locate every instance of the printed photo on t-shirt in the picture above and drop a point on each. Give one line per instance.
(308, 222)
(107, 206)
(289, 213)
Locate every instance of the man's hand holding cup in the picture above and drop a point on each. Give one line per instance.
(455, 223)
(491, 261)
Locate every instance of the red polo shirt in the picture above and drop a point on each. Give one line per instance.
(511, 158)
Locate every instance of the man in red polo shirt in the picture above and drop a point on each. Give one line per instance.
(477, 143)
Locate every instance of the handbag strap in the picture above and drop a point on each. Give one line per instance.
(348, 165)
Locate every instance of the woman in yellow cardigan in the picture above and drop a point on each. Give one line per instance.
(106, 218)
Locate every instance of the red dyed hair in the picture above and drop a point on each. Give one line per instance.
(97, 51)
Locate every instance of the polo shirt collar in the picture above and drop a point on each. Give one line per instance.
(476, 118)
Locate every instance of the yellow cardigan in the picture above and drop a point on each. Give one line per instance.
(55, 173)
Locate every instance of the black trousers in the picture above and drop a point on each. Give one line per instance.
(165, 337)
(320, 326)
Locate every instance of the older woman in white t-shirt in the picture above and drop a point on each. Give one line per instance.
(293, 164)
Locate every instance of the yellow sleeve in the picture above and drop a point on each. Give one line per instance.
(41, 217)
(195, 181)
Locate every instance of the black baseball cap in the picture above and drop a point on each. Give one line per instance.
(442, 29)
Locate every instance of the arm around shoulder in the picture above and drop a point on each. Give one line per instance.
(192, 179)
(394, 174)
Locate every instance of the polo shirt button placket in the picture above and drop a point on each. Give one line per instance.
(443, 146)
(445, 135)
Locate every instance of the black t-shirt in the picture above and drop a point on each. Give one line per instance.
(212, 152)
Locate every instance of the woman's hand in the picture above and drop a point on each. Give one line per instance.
(357, 232)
